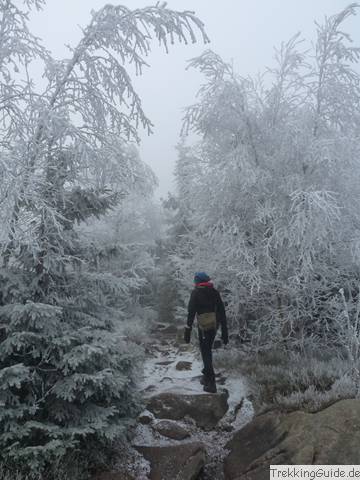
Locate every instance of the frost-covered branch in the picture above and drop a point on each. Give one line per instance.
(269, 188)
(90, 98)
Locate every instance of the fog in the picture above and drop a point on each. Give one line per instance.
(242, 31)
(233, 302)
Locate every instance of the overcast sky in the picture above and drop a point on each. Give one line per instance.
(244, 31)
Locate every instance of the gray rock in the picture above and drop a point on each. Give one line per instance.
(206, 410)
(182, 365)
(176, 462)
(331, 436)
(145, 418)
(171, 429)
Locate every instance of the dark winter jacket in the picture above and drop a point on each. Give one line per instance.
(204, 300)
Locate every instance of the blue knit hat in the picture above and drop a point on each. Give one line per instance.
(201, 277)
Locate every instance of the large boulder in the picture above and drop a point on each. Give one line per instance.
(179, 462)
(331, 436)
(206, 410)
(171, 429)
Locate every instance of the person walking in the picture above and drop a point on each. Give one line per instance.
(206, 304)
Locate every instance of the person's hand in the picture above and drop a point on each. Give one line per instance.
(187, 334)
(225, 338)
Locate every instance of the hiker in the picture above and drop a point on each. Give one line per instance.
(205, 302)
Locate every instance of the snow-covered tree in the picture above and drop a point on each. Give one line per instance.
(67, 377)
(122, 246)
(275, 204)
(18, 48)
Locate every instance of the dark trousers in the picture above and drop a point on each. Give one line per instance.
(206, 340)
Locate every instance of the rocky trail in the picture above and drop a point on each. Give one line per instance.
(183, 432)
(186, 434)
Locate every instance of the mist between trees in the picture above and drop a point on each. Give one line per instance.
(267, 201)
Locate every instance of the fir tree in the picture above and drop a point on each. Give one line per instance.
(67, 377)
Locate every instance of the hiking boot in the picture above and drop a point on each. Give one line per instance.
(210, 387)
(203, 380)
